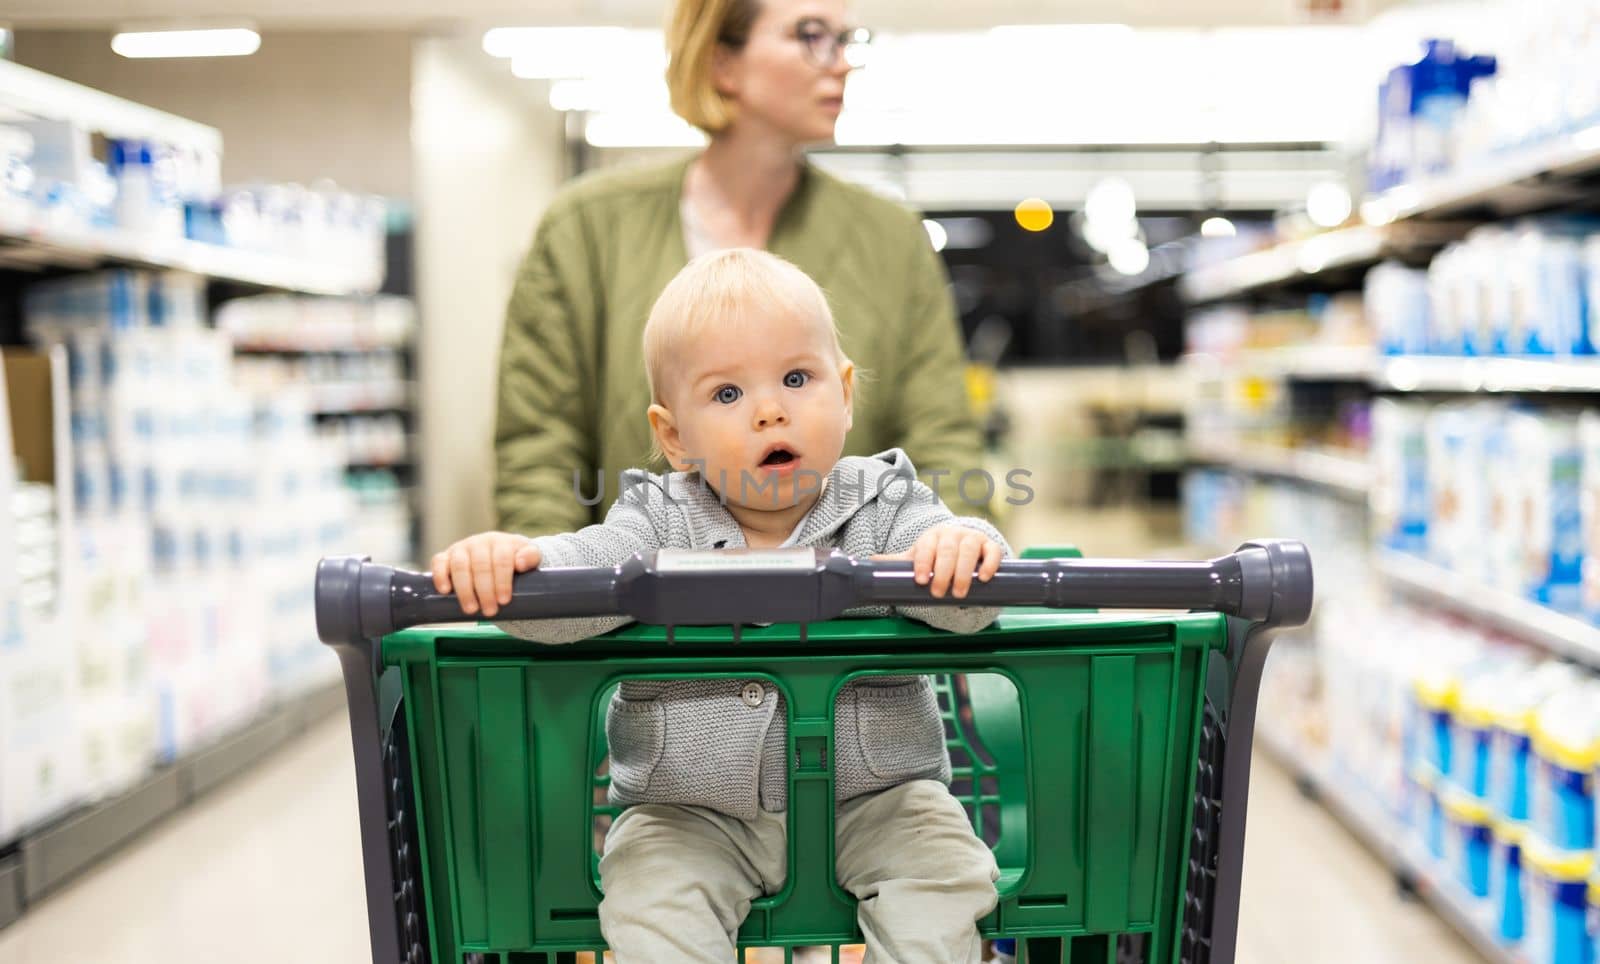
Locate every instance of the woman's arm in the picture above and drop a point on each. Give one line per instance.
(545, 427)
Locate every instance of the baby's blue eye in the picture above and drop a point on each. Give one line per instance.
(795, 379)
(728, 394)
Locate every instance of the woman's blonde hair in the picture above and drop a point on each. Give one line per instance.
(720, 291)
(694, 30)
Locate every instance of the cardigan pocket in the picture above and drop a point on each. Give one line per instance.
(899, 729)
(636, 735)
(696, 742)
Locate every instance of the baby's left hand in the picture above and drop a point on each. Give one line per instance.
(945, 558)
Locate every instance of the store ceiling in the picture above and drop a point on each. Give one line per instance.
(884, 14)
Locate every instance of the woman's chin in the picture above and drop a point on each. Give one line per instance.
(821, 132)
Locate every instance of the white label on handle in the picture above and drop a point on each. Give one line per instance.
(735, 560)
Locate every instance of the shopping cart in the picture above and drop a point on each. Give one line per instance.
(1107, 758)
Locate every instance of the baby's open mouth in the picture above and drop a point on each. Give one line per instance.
(778, 457)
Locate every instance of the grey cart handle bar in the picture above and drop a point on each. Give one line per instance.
(1266, 582)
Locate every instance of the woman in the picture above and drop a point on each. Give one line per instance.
(762, 79)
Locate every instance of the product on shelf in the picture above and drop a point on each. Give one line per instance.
(157, 193)
(349, 359)
(1512, 702)
(1589, 510)
(1327, 321)
(1468, 841)
(295, 323)
(1566, 746)
(1421, 105)
(1400, 493)
(1397, 302)
(1545, 451)
(1492, 491)
(197, 514)
(1521, 290)
(1507, 882)
(1447, 111)
(41, 763)
(36, 539)
(1557, 906)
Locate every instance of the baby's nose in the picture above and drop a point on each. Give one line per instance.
(770, 413)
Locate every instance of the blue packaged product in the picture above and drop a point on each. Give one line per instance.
(1401, 500)
(1546, 450)
(1427, 818)
(1471, 736)
(1557, 930)
(1511, 758)
(1562, 804)
(1468, 841)
(1507, 887)
(1594, 918)
(1437, 99)
(1549, 268)
(1436, 694)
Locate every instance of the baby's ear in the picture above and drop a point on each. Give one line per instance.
(668, 439)
(847, 378)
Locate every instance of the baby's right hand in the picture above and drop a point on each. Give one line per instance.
(480, 568)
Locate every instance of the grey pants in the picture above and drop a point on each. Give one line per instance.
(679, 880)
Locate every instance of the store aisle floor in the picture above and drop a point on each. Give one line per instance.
(1313, 895)
(268, 870)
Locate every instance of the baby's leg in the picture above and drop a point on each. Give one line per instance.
(923, 879)
(678, 881)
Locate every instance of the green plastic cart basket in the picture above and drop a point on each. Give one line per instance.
(1106, 758)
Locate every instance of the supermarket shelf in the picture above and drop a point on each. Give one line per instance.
(1445, 374)
(1307, 362)
(298, 351)
(29, 245)
(1377, 832)
(10, 889)
(1539, 177)
(33, 93)
(1343, 474)
(330, 398)
(49, 856)
(1284, 263)
(1561, 634)
(1294, 262)
(1410, 373)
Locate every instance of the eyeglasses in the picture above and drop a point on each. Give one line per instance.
(822, 44)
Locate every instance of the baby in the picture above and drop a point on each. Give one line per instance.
(751, 399)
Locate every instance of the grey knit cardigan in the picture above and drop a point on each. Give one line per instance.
(702, 742)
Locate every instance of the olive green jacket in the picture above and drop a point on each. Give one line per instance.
(573, 396)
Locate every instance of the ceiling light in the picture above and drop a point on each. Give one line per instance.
(1129, 256)
(1110, 201)
(209, 42)
(1034, 214)
(1328, 204)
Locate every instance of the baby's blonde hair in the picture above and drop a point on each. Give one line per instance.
(721, 291)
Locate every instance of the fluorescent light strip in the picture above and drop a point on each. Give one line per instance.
(543, 41)
(224, 42)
